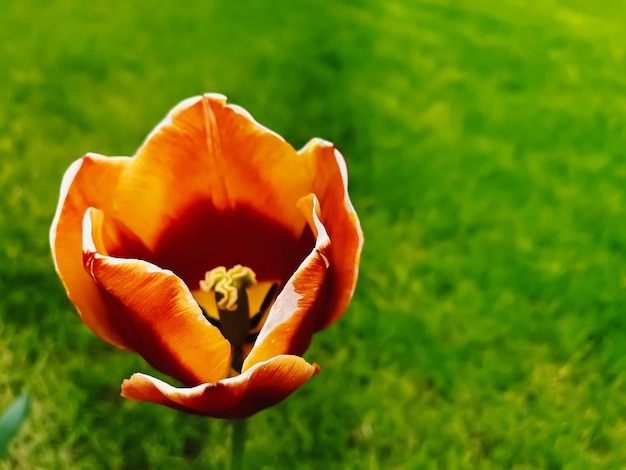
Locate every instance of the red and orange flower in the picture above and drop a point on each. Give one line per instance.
(215, 253)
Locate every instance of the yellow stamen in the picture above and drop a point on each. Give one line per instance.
(227, 284)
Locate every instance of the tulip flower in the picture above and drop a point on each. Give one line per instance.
(215, 252)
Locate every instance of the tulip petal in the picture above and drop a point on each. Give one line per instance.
(90, 181)
(212, 187)
(262, 386)
(290, 322)
(156, 312)
(330, 185)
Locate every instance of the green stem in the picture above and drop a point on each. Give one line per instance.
(238, 442)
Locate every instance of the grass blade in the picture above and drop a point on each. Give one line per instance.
(12, 420)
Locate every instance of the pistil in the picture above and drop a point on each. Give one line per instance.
(228, 284)
(232, 305)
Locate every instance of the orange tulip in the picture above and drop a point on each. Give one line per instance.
(215, 253)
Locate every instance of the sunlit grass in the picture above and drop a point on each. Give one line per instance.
(485, 142)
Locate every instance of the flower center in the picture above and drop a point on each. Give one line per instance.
(229, 286)
(230, 289)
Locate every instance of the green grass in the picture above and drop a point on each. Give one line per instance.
(485, 142)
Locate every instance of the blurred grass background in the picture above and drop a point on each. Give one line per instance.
(485, 142)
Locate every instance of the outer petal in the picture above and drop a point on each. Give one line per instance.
(240, 184)
(290, 322)
(262, 386)
(90, 181)
(330, 185)
(156, 313)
